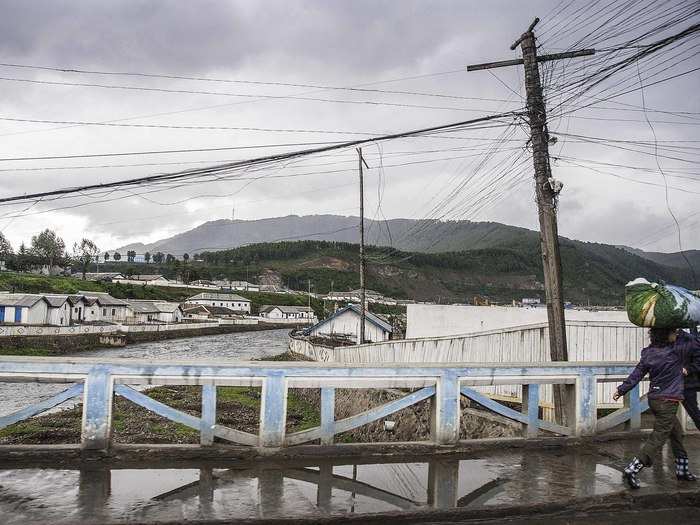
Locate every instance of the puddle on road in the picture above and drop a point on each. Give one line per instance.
(227, 492)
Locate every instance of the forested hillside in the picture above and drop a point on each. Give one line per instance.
(594, 273)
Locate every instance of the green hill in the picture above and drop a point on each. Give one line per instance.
(594, 273)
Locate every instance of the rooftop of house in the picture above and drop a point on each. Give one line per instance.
(146, 277)
(207, 296)
(102, 298)
(369, 316)
(94, 276)
(208, 310)
(20, 299)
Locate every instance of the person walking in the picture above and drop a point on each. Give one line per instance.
(692, 379)
(664, 361)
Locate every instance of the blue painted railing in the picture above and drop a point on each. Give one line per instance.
(98, 381)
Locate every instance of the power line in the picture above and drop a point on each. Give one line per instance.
(251, 162)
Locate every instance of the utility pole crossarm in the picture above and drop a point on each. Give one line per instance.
(542, 58)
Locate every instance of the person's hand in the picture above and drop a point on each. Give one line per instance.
(685, 371)
(616, 396)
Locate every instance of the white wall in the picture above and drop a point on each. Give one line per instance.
(433, 320)
(587, 341)
(59, 316)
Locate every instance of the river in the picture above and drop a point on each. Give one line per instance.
(240, 346)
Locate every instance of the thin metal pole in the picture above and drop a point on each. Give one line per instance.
(363, 314)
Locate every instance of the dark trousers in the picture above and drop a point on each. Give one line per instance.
(691, 405)
(666, 427)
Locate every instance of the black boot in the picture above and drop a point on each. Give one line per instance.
(683, 470)
(629, 475)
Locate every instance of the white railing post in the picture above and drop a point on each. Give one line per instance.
(445, 410)
(327, 415)
(633, 403)
(97, 409)
(273, 410)
(208, 420)
(586, 405)
(531, 408)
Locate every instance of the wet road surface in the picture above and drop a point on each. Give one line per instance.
(241, 346)
(217, 491)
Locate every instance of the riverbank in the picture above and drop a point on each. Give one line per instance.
(47, 345)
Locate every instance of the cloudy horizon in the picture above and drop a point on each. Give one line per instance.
(614, 189)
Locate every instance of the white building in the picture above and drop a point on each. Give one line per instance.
(234, 302)
(20, 308)
(152, 312)
(437, 320)
(204, 312)
(345, 324)
(59, 311)
(303, 313)
(100, 306)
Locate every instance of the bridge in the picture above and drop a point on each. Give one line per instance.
(97, 381)
(281, 463)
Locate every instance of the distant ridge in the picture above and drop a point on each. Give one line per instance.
(410, 235)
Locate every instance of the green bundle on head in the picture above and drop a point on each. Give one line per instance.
(655, 305)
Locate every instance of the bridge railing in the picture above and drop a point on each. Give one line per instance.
(97, 381)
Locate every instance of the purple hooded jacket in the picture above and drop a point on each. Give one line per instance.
(664, 364)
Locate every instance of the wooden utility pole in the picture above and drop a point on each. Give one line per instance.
(363, 313)
(546, 191)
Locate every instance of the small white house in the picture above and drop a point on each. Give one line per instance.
(345, 324)
(234, 302)
(20, 308)
(303, 313)
(100, 306)
(59, 310)
(151, 312)
(204, 312)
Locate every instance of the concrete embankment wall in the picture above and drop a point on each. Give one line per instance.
(587, 341)
(87, 340)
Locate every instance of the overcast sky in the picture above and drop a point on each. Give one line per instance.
(328, 43)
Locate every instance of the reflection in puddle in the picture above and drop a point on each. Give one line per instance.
(100, 495)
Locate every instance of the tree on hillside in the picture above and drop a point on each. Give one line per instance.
(147, 257)
(85, 252)
(48, 246)
(22, 249)
(158, 257)
(130, 255)
(106, 256)
(169, 259)
(186, 257)
(5, 246)
(117, 256)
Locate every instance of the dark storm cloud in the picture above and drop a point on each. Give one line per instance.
(196, 36)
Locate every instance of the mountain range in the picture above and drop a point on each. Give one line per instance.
(410, 235)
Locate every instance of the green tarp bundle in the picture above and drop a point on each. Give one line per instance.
(657, 305)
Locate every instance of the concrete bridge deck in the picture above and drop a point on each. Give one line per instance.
(562, 484)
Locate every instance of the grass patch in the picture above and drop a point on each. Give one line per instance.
(27, 351)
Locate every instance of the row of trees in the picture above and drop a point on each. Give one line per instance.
(47, 248)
